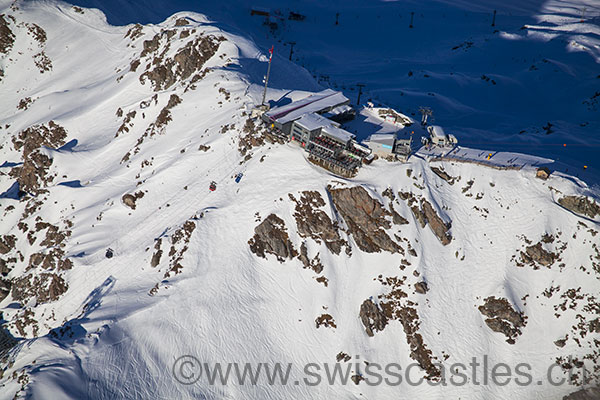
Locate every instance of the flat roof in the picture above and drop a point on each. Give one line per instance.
(312, 121)
(314, 103)
(438, 131)
(337, 133)
(382, 138)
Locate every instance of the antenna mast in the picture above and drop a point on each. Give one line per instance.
(267, 77)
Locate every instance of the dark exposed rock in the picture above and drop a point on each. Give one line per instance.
(580, 205)
(32, 174)
(130, 199)
(439, 228)
(4, 288)
(372, 317)
(590, 393)
(270, 237)
(421, 287)
(45, 287)
(109, 253)
(341, 356)
(7, 243)
(7, 37)
(325, 320)
(442, 174)
(357, 378)
(315, 223)
(181, 22)
(503, 318)
(365, 218)
(419, 352)
(419, 215)
(188, 60)
(538, 254)
(314, 264)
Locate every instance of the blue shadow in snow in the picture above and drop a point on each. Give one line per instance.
(14, 192)
(68, 146)
(8, 164)
(73, 329)
(73, 184)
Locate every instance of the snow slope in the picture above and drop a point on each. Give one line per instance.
(115, 326)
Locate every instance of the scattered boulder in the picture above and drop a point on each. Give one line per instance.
(325, 320)
(270, 237)
(421, 287)
(130, 199)
(109, 253)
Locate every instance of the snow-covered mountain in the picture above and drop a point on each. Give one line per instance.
(117, 259)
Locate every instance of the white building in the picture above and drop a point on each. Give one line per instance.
(439, 138)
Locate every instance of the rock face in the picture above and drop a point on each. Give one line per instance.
(315, 223)
(365, 218)
(580, 205)
(503, 318)
(7, 38)
(33, 174)
(187, 61)
(427, 214)
(372, 317)
(590, 393)
(439, 228)
(442, 174)
(270, 237)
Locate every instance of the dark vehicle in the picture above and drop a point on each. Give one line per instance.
(238, 177)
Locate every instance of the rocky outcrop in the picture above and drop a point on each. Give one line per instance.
(537, 254)
(44, 287)
(315, 223)
(32, 175)
(325, 320)
(365, 218)
(7, 37)
(270, 237)
(130, 199)
(442, 174)
(187, 61)
(503, 318)
(437, 225)
(421, 287)
(426, 214)
(372, 317)
(580, 205)
(590, 393)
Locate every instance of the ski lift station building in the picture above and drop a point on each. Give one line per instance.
(326, 101)
(439, 137)
(386, 145)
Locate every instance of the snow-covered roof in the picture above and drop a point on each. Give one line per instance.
(312, 121)
(313, 103)
(337, 133)
(382, 138)
(437, 131)
(340, 109)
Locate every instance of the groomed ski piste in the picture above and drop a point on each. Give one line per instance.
(113, 324)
